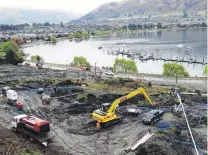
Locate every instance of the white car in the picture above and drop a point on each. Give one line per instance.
(109, 73)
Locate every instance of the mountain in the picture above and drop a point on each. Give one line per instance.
(130, 8)
(18, 16)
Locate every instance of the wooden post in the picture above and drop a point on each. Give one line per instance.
(95, 69)
(176, 79)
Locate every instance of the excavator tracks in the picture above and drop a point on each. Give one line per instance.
(111, 123)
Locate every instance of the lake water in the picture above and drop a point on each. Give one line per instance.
(165, 44)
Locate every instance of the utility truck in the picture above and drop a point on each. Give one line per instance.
(12, 98)
(33, 127)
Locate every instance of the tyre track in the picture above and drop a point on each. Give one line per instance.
(101, 143)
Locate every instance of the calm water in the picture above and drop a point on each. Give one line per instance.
(166, 44)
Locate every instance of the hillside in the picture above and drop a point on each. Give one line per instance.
(18, 16)
(130, 8)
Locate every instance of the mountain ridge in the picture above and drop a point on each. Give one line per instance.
(20, 16)
(129, 8)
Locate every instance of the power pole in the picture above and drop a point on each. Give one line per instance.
(95, 69)
(177, 93)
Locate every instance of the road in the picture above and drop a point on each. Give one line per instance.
(199, 84)
(194, 83)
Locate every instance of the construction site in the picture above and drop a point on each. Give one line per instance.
(73, 112)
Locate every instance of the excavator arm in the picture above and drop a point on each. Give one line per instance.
(130, 95)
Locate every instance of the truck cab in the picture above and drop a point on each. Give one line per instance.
(4, 90)
(33, 127)
(13, 99)
(16, 120)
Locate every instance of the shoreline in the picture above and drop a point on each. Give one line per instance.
(65, 66)
(66, 41)
(125, 32)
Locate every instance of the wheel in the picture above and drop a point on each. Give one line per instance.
(14, 129)
(7, 109)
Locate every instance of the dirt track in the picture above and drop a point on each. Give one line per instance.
(75, 130)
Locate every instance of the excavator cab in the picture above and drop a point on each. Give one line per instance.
(105, 116)
(105, 106)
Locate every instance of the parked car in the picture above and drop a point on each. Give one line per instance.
(152, 116)
(109, 73)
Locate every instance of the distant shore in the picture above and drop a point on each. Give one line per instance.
(114, 33)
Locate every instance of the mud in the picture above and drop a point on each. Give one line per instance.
(71, 121)
(12, 144)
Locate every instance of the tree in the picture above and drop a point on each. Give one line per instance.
(205, 71)
(185, 14)
(70, 37)
(145, 26)
(52, 38)
(80, 61)
(13, 54)
(18, 40)
(132, 26)
(46, 24)
(61, 24)
(85, 34)
(126, 66)
(36, 58)
(174, 70)
(159, 25)
(204, 24)
(77, 35)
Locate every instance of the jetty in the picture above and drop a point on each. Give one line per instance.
(138, 55)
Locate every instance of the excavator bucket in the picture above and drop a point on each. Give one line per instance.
(45, 144)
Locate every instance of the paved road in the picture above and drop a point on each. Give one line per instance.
(199, 84)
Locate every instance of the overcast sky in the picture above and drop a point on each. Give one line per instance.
(77, 6)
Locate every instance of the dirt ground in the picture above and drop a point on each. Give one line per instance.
(74, 128)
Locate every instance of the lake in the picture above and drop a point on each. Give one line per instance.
(182, 43)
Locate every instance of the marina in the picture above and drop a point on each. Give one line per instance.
(144, 57)
(149, 52)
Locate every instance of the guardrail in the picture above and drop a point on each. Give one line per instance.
(194, 83)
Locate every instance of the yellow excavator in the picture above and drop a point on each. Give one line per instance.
(106, 115)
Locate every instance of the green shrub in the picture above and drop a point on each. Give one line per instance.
(70, 37)
(174, 70)
(81, 35)
(115, 81)
(85, 34)
(80, 61)
(52, 38)
(36, 58)
(126, 66)
(205, 71)
(28, 152)
(13, 54)
(77, 35)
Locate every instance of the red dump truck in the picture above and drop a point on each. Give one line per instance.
(34, 127)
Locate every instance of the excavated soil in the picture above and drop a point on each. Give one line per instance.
(74, 128)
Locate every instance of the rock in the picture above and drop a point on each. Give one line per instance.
(46, 99)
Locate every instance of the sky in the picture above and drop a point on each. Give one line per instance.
(76, 6)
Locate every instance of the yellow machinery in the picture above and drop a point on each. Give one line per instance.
(106, 116)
